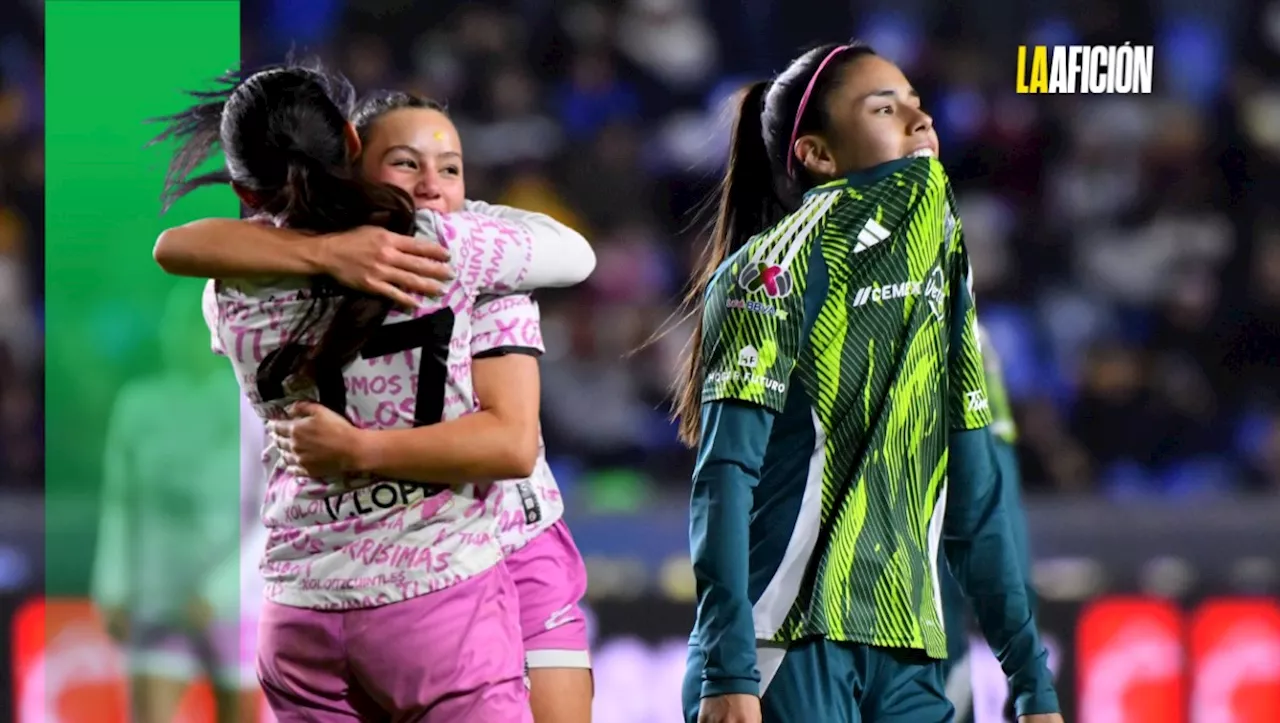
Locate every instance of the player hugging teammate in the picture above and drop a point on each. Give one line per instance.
(843, 436)
(836, 393)
(382, 610)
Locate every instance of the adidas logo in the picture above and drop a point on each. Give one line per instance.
(870, 235)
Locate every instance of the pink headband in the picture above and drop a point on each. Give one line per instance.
(804, 101)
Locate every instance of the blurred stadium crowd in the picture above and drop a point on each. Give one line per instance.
(21, 245)
(1126, 248)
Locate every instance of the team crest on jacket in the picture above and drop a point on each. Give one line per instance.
(774, 281)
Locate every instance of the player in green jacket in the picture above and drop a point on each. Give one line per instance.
(835, 392)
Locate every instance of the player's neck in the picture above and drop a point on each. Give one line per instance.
(863, 177)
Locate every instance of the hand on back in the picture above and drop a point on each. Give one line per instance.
(315, 441)
(378, 261)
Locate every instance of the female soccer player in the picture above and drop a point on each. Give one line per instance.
(835, 393)
(164, 535)
(412, 144)
(384, 597)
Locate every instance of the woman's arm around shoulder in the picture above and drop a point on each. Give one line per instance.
(560, 256)
(368, 258)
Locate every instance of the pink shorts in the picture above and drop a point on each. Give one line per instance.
(551, 580)
(452, 655)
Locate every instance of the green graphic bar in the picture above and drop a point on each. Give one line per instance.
(142, 491)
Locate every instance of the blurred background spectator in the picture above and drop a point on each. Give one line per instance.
(1127, 262)
(21, 246)
(1127, 259)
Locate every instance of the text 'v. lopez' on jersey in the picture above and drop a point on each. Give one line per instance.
(853, 321)
(361, 541)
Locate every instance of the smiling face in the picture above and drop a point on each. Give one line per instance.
(874, 117)
(417, 150)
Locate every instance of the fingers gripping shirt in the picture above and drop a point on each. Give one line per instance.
(853, 321)
(340, 543)
(529, 506)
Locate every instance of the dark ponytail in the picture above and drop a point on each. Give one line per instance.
(315, 199)
(198, 131)
(283, 133)
(760, 186)
(749, 203)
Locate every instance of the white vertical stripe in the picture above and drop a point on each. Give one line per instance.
(798, 242)
(784, 236)
(768, 661)
(769, 250)
(935, 548)
(770, 611)
(779, 236)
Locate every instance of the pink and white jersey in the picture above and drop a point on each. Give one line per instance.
(241, 572)
(513, 324)
(358, 542)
